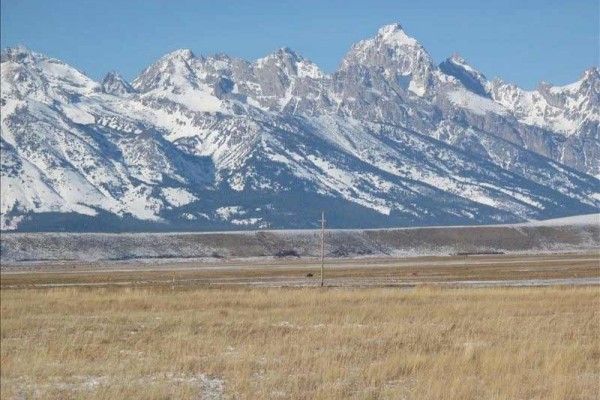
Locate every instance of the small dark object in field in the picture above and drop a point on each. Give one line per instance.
(414, 273)
(309, 275)
(287, 253)
(478, 253)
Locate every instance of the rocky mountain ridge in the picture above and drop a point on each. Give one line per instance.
(199, 143)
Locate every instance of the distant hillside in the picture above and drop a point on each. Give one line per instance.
(576, 234)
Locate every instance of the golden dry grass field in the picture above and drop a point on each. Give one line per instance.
(201, 342)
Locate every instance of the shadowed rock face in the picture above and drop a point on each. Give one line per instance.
(471, 79)
(199, 143)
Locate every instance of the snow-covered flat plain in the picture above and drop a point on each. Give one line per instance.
(588, 219)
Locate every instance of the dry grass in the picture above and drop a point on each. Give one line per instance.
(157, 343)
(339, 272)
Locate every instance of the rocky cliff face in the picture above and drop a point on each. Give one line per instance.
(388, 139)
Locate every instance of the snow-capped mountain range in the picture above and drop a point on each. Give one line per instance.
(195, 143)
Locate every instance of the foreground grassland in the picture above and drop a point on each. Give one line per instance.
(306, 343)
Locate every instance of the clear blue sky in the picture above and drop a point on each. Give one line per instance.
(521, 41)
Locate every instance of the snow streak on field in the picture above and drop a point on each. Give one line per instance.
(456, 271)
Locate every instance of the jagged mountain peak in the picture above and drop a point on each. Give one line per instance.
(591, 79)
(390, 28)
(394, 34)
(291, 62)
(470, 78)
(26, 73)
(460, 61)
(184, 54)
(171, 72)
(114, 83)
(222, 57)
(390, 40)
(457, 59)
(112, 75)
(287, 51)
(592, 73)
(283, 54)
(219, 142)
(20, 53)
(402, 59)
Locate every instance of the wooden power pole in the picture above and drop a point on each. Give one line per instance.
(322, 220)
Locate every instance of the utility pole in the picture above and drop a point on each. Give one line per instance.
(322, 220)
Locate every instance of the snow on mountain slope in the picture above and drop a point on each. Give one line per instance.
(173, 79)
(67, 163)
(464, 98)
(562, 109)
(388, 139)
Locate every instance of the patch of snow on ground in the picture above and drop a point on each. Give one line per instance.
(416, 88)
(77, 114)
(246, 221)
(178, 197)
(226, 213)
(475, 103)
(208, 388)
